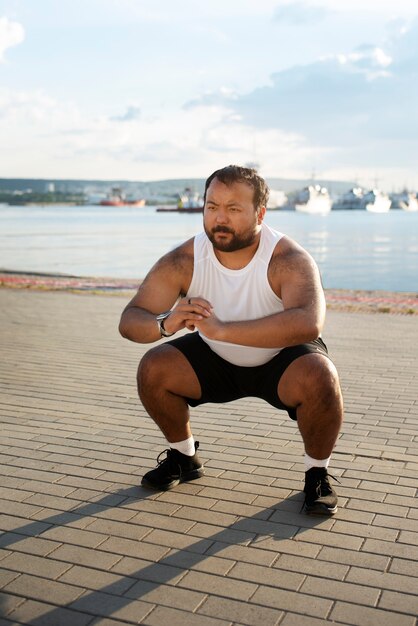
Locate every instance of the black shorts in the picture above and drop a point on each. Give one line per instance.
(222, 381)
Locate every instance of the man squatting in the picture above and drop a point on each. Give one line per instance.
(254, 301)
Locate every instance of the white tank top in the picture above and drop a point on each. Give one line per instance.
(237, 295)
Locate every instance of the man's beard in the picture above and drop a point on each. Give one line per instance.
(237, 242)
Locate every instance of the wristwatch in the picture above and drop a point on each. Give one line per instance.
(160, 321)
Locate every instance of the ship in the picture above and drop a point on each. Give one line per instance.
(352, 200)
(277, 200)
(188, 201)
(405, 200)
(314, 200)
(116, 197)
(376, 201)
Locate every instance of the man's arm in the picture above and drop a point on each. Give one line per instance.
(162, 290)
(294, 277)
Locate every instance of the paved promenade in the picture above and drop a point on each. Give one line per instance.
(82, 544)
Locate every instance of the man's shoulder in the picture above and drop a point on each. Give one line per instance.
(182, 256)
(288, 254)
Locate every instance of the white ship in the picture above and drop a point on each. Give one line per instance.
(376, 201)
(356, 198)
(405, 200)
(352, 200)
(277, 199)
(314, 200)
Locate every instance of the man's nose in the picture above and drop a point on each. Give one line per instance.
(221, 216)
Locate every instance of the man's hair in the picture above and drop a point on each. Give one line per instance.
(237, 174)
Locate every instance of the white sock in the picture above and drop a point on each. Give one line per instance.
(310, 462)
(185, 447)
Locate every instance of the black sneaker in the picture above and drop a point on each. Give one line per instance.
(320, 497)
(176, 468)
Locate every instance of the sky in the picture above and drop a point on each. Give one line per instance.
(159, 89)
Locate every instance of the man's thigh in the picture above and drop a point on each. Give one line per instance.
(167, 368)
(277, 369)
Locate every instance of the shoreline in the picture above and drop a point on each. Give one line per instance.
(350, 300)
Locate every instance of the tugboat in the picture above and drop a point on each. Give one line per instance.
(117, 198)
(188, 201)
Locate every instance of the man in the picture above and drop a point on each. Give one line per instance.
(253, 298)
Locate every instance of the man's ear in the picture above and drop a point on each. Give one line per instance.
(261, 211)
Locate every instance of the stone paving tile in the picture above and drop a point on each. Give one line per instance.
(128, 547)
(107, 605)
(84, 544)
(303, 565)
(293, 619)
(35, 565)
(165, 595)
(403, 566)
(6, 576)
(218, 585)
(399, 602)
(92, 578)
(316, 606)
(33, 612)
(175, 617)
(383, 580)
(28, 545)
(190, 561)
(243, 613)
(337, 590)
(267, 576)
(38, 588)
(350, 557)
(358, 615)
(85, 556)
(9, 602)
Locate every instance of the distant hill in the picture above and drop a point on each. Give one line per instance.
(152, 190)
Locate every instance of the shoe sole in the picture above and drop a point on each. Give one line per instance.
(320, 510)
(185, 478)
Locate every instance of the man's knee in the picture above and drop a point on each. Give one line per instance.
(165, 368)
(308, 377)
(322, 374)
(151, 367)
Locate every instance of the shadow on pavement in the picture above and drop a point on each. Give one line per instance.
(267, 527)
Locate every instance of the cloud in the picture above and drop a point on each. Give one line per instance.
(49, 136)
(367, 59)
(34, 109)
(11, 34)
(347, 112)
(362, 100)
(300, 12)
(132, 113)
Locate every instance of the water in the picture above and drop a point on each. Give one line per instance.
(354, 250)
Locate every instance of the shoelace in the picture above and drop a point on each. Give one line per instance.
(167, 453)
(319, 482)
(325, 479)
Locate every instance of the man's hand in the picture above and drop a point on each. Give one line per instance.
(211, 327)
(187, 313)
